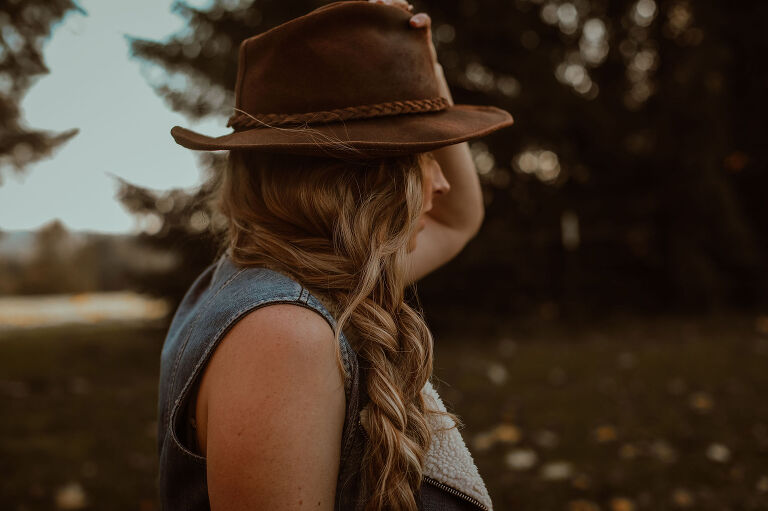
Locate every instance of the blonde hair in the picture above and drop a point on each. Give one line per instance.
(341, 228)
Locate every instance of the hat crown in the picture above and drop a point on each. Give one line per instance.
(349, 79)
(341, 55)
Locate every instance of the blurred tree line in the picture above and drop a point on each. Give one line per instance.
(633, 177)
(24, 25)
(57, 261)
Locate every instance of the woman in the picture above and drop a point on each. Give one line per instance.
(295, 374)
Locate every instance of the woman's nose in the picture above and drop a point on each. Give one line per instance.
(439, 183)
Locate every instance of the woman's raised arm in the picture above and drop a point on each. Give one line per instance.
(457, 214)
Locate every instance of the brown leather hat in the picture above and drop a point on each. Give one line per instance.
(351, 78)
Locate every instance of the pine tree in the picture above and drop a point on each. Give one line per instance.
(203, 58)
(24, 25)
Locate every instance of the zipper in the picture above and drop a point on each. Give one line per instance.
(453, 491)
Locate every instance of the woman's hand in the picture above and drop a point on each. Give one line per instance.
(422, 20)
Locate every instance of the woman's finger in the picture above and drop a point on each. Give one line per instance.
(420, 20)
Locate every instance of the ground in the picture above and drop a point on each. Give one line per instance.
(624, 414)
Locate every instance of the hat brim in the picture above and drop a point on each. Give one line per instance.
(364, 138)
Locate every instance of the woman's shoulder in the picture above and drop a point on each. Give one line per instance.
(281, 330)
(269, 310)
(283, 353)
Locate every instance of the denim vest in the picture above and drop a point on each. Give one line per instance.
(221, 295)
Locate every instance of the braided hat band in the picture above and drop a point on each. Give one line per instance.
(242, 121)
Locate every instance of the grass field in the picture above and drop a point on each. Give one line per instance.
(623, 415)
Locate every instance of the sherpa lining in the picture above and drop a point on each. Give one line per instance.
(448, 459)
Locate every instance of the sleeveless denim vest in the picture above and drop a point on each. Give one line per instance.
(221, 295)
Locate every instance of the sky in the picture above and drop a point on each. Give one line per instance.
(124, 126)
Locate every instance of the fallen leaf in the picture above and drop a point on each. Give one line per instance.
(628, 452)
(663, 451)
(521, 459)
(497, 373)
(701, 402)
(718, 453)
(556, 471)
(507, 433)
(547, 439)
(682, 498)
(484, 441)
(605, 433)
(71, 496)
(622, 504)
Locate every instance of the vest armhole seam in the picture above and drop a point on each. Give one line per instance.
(182, 400)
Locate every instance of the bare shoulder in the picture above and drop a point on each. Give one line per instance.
(271, 410)
(285, 333)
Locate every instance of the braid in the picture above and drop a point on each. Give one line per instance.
(342, 230)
